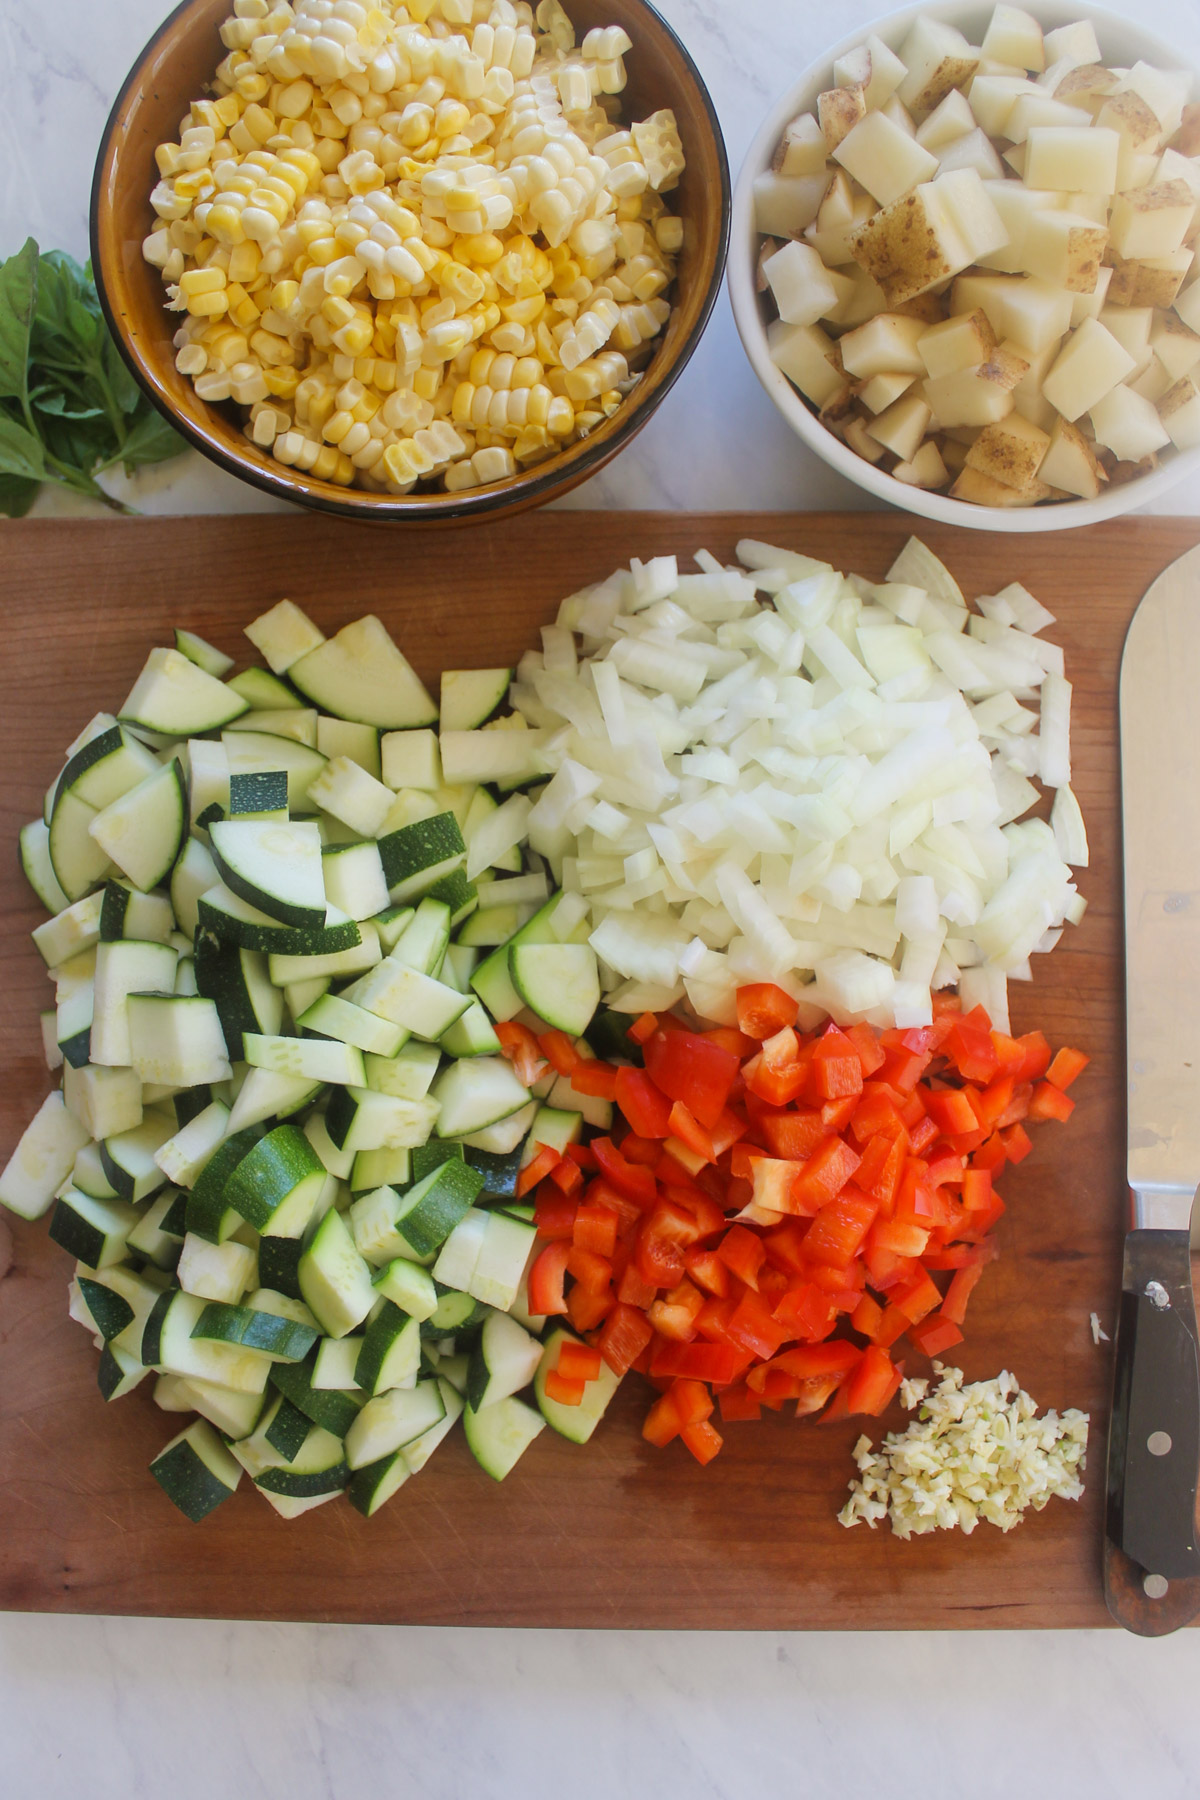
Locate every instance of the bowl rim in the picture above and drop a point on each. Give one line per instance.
(517, 492)
(1063, 515)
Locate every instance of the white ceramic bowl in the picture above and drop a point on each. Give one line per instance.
(1121, 43)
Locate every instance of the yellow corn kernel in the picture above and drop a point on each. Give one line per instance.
(337, 311)
(484, 249)
(462, 402)
(480, 366)
(228, 346)
(336, 427)
(325, 464)
(560, 420)
(208, 306)
(364, 411)
(463, 284)
(532, 444)
(524, 312)
(224, 223)
(540, 399)
(270, 349)
(527, 370)
(354, 338)
(425, 383)
(201, 281)
(260, 123)
(284, 295)
(321, 409)
(323, 250)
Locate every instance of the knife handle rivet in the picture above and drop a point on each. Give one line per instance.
(1155, 1587)
(1157, 1295)
(1159, 1443)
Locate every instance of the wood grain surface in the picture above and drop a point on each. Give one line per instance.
(615, 1533)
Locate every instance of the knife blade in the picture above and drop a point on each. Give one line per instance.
(1154, 1439)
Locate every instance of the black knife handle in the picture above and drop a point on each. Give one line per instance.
(1154, 1438)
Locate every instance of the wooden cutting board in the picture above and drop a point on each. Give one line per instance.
(615, 1533)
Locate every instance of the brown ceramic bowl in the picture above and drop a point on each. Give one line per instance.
(174, 69)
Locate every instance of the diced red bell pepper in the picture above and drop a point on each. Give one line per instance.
(559, 1051)
(951, 1111)
(674, 1315)
(1017, 1143)
(836, 1070)
(578, 1362)
(687, 1066)
(774, 1184)
(642, 1150)
(763, 1009)
(742, 1252)
(871, 1054)
(869, 1386)
(818, 1359)
(707, 1271)
(546, 1278)
(866, 1316)
(562, 1388)
(647, 1110)
(935, 1334)
(899, 1237)
(891, 1327)
(917, 1297)
(739, 1402)
(595, 1229)
(1036, 1059)
(977, 1190)
(567, 1176)
(703, 1440)
(589, 1269)
(814, 1392)
(954, 1307)
(623, 1337)
(969, 1046)
(595, 1078)
(1049, 1102)
(631, 1179)
(882, 1167)
(824, 1175)
(793, 1136)
(632, 1287)
(554, 1213)
(839, 1228)
(990, 1155)
(752, 1326)
(586, 1306)
(691, 1133)
(1067, 1066)
(698, 1361)
(876, 1112)
(807, 1311)
(643, 1027)
(522, 1050)
(535, 1171)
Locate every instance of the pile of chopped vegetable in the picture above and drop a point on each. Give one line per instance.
(974, 1452)
(772, 1187)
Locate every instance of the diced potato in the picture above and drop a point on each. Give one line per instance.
(878, 393)
(1016, 156)
(1090, 306)
(1165, 92)
(1065, 250)
(1043, 109)
(1090, 364)
(1023, 308)
(803, 149)
(1017, 206)
(842, 213)
(1152, 383)
(859, 298)
(1128, 425)
(800, 283)
(924, 470)
(993, 97)
(1171, 166)
(785, 204)
(937, 58)
(873, 67)
(1034, 407)
(979, 224)
(1151, 221)
(901, 428)
(887, 342)
(1078, 159)
(952, 119)
(910, 245)
(1148, 281)
(861, 442)
(895, 110)
(1179, 410)
(961, 342)
(838, 112)
(969, 397)
(1010, 451)
(1134, 122)
(1187, 306)
(1038, 365)
(1014, 36)
(985, 490)
(953, 454)
(974, 151)
(1135, 169)
(1130, 325)
(1187, 138)
(1086, 85)
(1073, 43)
(801, 352)
(882, 159)
(1071, 464)
(1176, 347)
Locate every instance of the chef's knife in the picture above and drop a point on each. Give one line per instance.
(1154, 1439)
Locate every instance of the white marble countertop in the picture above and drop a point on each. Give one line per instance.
(143, 1707)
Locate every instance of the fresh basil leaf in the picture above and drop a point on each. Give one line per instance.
(84, 325)
(59, 405)
(124, 389)
(150, 440)
(18, 301)
(80, 442)
(79, 277)
(16, 495)
(20, 452)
